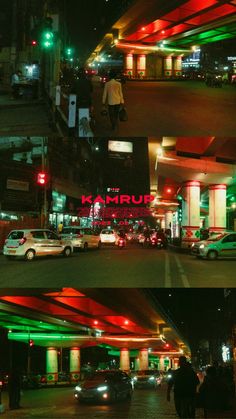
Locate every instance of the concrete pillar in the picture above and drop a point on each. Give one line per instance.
(217, 208)
(178, 66)
(190, 213)
(141, 65)
(74, 364)
(143, 359)
(51, 365)
(124, 359)
(137, 364)
(129, 64)
(168, 66)
(161, 363)
(168, 220)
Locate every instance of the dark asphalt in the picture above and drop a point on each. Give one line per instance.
(166, 108)
(59, 403)
(111, 267)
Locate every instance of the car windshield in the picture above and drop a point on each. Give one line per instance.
(107, 232)
(105, 375)
(16, 235)
(146, 372)
(216, 237)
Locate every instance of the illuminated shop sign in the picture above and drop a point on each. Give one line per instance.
(59, 202)
(120, 146)
(118, 199)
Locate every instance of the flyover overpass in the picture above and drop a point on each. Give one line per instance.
(128, 322)
(196, 176)
(154, 36)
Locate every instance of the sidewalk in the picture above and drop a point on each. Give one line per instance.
(6, 100)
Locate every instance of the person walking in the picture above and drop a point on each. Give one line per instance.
(113, 97)
(83, 89)
(185, 382)
(15, 80)
(214, 393)
(60, 228)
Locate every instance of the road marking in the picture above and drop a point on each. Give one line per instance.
(167, 271)
(182, 273)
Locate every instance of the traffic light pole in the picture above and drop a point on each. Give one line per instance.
(44, 206)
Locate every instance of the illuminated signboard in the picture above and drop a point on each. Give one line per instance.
(59, 201)
(120, 146)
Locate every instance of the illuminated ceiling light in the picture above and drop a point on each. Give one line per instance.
(163, 31)
(116, 41)
(126, 322)
(143, 28)
(95, 322)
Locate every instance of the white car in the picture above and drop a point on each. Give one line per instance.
(108, 236)
(81, 237)
(35, 242)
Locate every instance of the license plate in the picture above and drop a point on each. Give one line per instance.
(12, 251)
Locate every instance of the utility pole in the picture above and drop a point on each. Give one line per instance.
(44, 211)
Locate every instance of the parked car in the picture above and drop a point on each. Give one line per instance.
(81, 237)
(216, 246)
(105, 386)
(147, 378)
(30, 243)
(108, 236)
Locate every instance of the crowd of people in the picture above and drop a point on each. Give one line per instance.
(214, 394)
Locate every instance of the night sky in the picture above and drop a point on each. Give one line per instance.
(199, 313)
(88, 21)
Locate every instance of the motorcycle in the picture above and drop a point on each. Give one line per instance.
(121, 243)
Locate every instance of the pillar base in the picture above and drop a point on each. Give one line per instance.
(52, 378)
(167, 74)
(190, 234)
(74, 376)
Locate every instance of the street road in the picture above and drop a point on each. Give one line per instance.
(172, 108)
(132, 266)
(59, 403)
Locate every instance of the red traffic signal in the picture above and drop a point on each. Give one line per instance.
(31, 343)
(34, 43)
(42, 178)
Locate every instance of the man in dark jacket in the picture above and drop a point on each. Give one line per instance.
(83, 88)
(185, 382)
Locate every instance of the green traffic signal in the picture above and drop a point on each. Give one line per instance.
(47, 39)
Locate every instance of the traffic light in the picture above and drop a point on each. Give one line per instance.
(42, 178)
(31, 343)
(47, 38)
(33, 43)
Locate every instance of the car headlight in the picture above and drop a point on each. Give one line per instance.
(78, 388)
(169, 376)
(201, 246)
(102, 388)
(151, 378)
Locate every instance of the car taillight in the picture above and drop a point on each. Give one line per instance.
(78, 236)
(22, 241)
